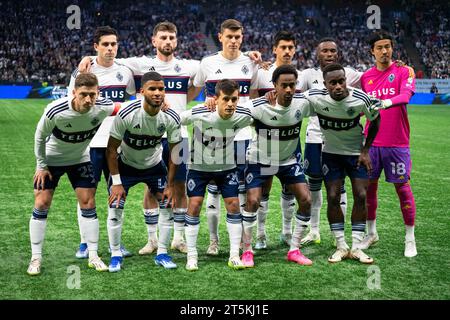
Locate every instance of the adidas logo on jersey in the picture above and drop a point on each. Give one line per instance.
(218, 71)
(274, 118)
(315, 82)
(152, 69)
(68, 125)
(137, 126)
(326, 109)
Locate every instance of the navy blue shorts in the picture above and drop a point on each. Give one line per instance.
(240, 153)
(337, 166)
(313, 160)
(180, 175)
(227, 182)
(80, 175)
(98, 160)
(155, 177)
(257, 174)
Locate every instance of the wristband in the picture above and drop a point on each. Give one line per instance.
(116, 179)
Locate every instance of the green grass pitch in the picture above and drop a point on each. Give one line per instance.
(423, 277)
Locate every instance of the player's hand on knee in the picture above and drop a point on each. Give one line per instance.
(271, 96)
(169, 198)
(117, 194)
(210, 103)
(39, 178)
(85, 65)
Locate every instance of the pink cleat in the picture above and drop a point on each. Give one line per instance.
(298, 257)
(247, 259)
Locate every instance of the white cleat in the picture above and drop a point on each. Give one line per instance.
(358, 254)
(149, 248)
(98, 264)
(192, 264)
(235, 263)
(311, 237)
(339, 255)
(369, 240)
(34, 268)
(180, 245)
(213, 249)
(261, 243)
(410, 248)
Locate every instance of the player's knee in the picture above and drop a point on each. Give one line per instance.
(232, 205)
(252, 204)
(359, 197)
(334, 198)
(87, 203)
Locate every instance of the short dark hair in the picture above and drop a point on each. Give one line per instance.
(104, 31)
(332, 67)
(326, 39)
(283, 35)
(151, 76)
(377, 36)
(165, 26)
(284, 69)
(231, 24)
(227, 86)
(86, 80)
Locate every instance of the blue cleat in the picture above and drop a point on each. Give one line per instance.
(83, 252)
(125, 252)
(165, 260)
(116, 264)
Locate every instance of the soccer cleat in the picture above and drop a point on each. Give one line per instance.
(213, 249)
(34, 268)
(298, 257)
(83, 252)
(410, 248)
(115, 264)
(247, 259)
(235, 263)
(149, 248)
(97, 264)
(286, 238)
(180, 245)
(311, 237)
(339, 255)
(261, 243)
(165, 261)
(192, 264)
(125, 252)
(369, 240)
(358, 254)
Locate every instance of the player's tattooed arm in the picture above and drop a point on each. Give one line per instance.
(117, 190)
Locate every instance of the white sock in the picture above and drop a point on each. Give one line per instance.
(340, 239)
(234, 227)
(344, 203)
(191, 230)
(114, 226)
(151, 217)
(371, 227)
(82, 239)
(213, 215)
(178, 223)
(316, 205)
(409, 233)
(357, 237)
(242, 201)
(90, 227)
(287, 204)
(37, 234)
(301, 225)
(248, 222)
(262, 214)
(165, 229)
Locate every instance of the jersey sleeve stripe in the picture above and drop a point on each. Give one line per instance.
(174, 115)
(128, 109)
(363, 97)
(56, 109)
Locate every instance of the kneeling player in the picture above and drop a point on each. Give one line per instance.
(213, 160)
(138, 130)
(338, 108)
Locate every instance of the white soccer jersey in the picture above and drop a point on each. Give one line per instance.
(212, 139)
(277, 130)
(141, 134)
(312, 78)
(178, 77)
(264, 80)
(63, 134)
(113, 82)
(339, 120)
(242, 70)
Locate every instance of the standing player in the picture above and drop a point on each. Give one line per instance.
(138, 130)
(230, 63)
(390, 150)
(274, 152)
(338, 109)
(115, 81)
(61, 141)
(213, 160)
(312, 78)
(284, 50)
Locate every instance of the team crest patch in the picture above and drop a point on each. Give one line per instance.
(95, 121)
(391, 77)
(191, 185)
(119, 76)
(161, 128)
(245, 69)
(298, 114)
(249, 178)
(325, 169)
(351, 111)
(177, 68)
